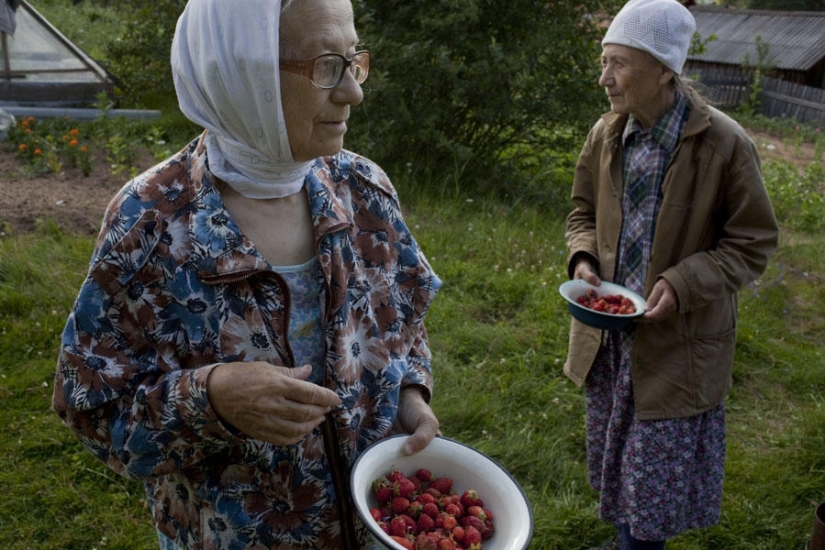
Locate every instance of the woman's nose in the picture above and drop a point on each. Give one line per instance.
(605, 78)
(348, 90)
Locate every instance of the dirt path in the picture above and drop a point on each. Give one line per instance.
(78, 202)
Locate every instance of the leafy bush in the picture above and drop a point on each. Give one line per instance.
(798, 197)
(465, 87)
(459, 89)
(141, 56)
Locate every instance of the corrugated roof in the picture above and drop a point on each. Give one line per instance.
(796, 39)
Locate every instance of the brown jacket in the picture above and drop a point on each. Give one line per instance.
(714, 234)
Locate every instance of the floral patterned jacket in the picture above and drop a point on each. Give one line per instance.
(174, 288)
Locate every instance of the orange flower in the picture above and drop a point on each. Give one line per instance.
(74, 132)
(22, 147)
(84, 149)
(73, 143)
(37, 151)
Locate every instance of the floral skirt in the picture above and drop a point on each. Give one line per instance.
(659, 477)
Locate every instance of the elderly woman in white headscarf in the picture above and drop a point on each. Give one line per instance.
(669, 202)
(253, 315)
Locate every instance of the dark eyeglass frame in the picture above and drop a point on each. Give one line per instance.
(306, 67)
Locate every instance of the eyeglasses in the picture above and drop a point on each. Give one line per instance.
(326, 71)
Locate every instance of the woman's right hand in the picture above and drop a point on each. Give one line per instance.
(268, 402)
(585, 270)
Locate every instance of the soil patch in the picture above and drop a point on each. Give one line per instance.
(77, 202)
(69, 198)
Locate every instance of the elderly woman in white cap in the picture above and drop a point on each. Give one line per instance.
(253, 317)
(669, 202)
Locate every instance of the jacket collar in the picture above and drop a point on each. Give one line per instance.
(220, 251)
(698, 119)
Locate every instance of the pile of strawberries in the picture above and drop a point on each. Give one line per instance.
(423, 512)
(615, 304)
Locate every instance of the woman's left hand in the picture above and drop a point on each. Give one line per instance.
(662, 302)
(415, 417)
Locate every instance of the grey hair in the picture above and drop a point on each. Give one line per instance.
(285, 50)
(682, 85)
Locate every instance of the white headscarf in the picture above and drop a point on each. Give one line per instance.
(225, 68)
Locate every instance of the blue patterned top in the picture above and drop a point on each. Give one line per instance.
(305, 335)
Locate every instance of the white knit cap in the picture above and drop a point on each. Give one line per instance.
(663, 28)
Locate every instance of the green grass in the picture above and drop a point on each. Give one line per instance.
(499, 333)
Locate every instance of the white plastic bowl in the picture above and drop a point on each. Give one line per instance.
(572, 290)
(469, 469)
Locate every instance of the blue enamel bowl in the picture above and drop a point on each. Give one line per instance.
(572, 290)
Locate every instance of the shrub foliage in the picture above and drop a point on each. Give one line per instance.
(456, 86)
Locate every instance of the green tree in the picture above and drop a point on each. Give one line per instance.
(141, 56)
(457, 87)
(464, 86)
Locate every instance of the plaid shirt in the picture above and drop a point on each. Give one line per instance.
(646, 155)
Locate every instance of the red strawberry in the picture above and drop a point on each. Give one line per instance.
(382, 489)
(424, 475)
(415, 508)
(396, 475)
(472, 538)
(488, 530)
(398, 526)
(471, 521)
(404, 488)
(417, 483)
(403, 541)
(431, 509)
(470, 497)
(483, 527)
(426, 498)
(442, 484)
(410, 522)
(445, 544)
(433, 491)
(400, 505)
(447, 521)
(425, 542)
(376, 514)
(458, 533)
(425, 524)
(477, 511)
(453, 509)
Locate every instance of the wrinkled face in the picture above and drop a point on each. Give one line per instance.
(316, 119)
(634, 81)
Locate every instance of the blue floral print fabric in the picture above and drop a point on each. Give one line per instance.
(174, 288)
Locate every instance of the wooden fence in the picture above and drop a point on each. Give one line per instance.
(727, 88)
(805, 104)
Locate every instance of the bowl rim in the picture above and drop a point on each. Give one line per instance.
(392, 440)
(610, 288)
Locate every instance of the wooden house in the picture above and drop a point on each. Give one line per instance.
(793, 43)
(787, 47)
